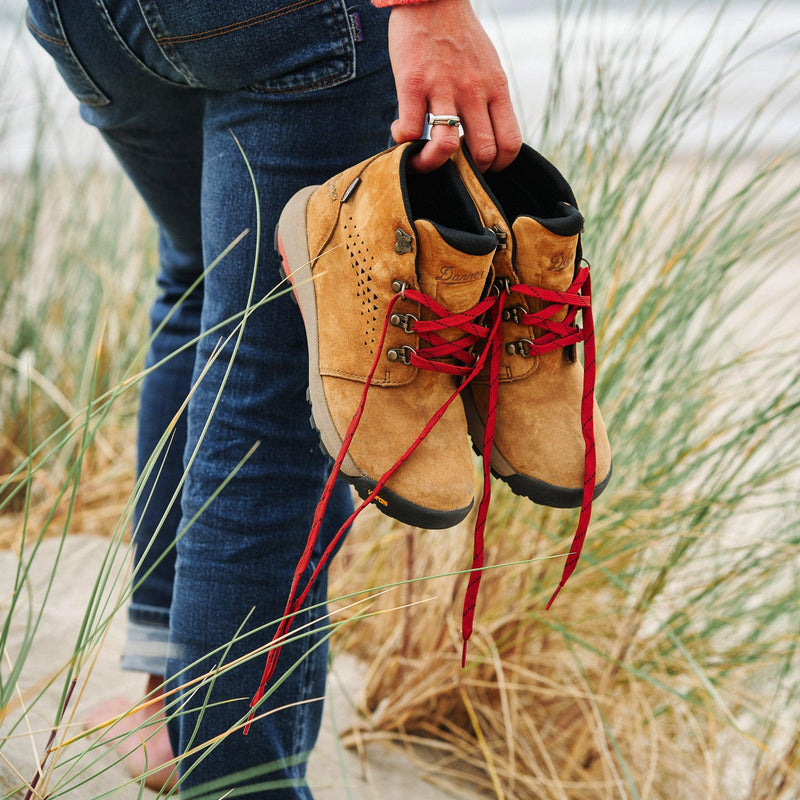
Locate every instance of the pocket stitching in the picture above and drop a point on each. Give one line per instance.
(108, 22)
(348, 46)
(152, 19)
(331, 80)
(237, 26)
(36, 31)
(167, 45)
(91, 94)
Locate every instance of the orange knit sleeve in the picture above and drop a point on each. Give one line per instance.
(384, 3)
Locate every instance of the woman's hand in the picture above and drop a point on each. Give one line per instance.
(444, 63)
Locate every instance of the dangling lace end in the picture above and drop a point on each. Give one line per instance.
(464, 654)
(555, 594)
(253, 703)
(269, 671)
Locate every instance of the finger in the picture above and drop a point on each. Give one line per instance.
(412, 105)
(480, 136)
(507, 133)
(442, 145)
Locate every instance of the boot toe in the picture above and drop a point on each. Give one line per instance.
(408, 512)
(434, 486)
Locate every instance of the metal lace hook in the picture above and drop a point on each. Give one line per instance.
(404, 321)
(401, 354)
(521, 347)
(501, 285)
(399, 287)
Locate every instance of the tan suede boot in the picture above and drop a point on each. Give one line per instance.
(376, 239)
(539, 447)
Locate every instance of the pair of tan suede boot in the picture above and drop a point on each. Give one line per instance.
(397, 275)
(441, 309)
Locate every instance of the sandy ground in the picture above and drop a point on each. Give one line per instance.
(334, 773)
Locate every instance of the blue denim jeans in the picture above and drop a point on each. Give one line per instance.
(176, 88)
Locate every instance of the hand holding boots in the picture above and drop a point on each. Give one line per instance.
(445, 63)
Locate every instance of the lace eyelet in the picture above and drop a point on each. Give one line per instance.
(404, 321)
(521, 347)
(401, 354)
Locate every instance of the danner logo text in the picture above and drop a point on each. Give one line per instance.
(448, 274)
(558, 262)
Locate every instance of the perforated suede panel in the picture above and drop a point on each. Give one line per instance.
(362, 262)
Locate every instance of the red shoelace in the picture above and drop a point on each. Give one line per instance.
(557, 335)
(482, 323)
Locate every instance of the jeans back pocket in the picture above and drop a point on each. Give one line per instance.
(277, 46)
(44, 22)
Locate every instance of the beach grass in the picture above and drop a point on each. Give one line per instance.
(669, 665)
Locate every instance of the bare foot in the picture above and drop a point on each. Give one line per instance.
(146, 748)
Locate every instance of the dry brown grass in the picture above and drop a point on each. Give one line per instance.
(586, 702)
(527, 717)
(74, 314)
(105, 488)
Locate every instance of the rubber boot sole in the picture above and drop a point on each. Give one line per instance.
(545, 494)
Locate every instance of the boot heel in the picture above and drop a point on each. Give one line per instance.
(291, 243)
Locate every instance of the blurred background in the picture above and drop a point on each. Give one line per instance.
(669, 667)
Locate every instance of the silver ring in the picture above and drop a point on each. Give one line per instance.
(443, 119)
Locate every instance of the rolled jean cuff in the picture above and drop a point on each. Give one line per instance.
(146, 647)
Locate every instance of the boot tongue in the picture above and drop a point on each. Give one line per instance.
(453, 265)
(543, 259)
